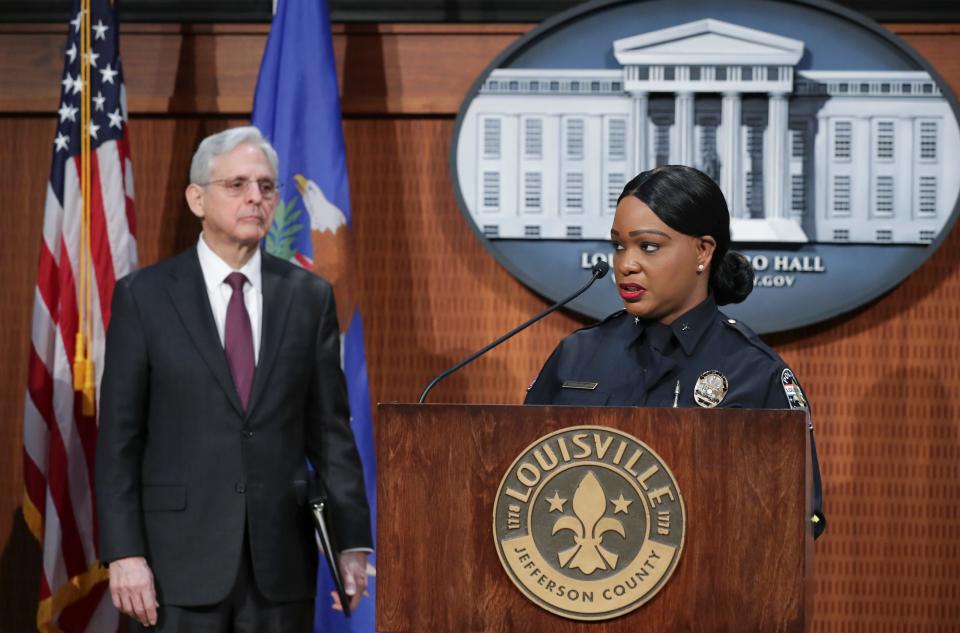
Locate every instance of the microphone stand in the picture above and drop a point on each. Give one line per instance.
(599, 270)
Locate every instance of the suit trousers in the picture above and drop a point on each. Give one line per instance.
(244, 610)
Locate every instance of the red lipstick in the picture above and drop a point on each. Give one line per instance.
(632, 292)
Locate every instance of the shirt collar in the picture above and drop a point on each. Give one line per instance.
(688, 328)
(215, 270)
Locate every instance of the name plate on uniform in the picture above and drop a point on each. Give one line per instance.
(579, 384)
(589, 523)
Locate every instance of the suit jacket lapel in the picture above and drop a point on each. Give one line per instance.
(277, 296)
(189, 294)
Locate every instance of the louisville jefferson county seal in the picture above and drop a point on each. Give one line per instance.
(589, 523)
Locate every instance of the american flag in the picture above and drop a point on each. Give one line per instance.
(59, 436)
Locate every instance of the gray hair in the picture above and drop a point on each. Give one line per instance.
(225, 142)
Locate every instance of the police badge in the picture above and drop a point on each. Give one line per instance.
(710, 389)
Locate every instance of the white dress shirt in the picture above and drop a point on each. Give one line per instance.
(215, 272)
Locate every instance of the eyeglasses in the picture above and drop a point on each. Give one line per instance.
(236, 187)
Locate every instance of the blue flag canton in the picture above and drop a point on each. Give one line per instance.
(106, 98)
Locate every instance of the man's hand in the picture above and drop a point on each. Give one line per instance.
(132, 590)
(353, 570)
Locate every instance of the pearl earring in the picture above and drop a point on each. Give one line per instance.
(700, 268)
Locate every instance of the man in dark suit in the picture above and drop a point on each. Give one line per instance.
(222, 378)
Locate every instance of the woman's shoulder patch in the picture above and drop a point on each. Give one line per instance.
(791, 388)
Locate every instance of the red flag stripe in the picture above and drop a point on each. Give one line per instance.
(99, 244)
(40, 388)
(43, 331)
(69, 318)
(87, 428)
(47, 281)
(36, 448)
(36, 441)
(75, 616)
(101, 291)
(34, 482)
(41, 391)
(81, 478)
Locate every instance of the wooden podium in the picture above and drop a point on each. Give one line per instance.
(744, 475)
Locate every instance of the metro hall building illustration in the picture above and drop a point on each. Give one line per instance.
(801, 156)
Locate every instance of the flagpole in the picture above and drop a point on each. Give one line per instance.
(87, 385)
(80, 351)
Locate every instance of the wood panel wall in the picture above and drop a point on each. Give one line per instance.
(883, 379)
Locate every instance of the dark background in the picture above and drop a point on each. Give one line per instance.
(411, 10)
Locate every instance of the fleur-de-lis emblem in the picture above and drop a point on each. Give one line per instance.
(588, 527)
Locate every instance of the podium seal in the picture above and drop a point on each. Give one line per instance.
(589, 523)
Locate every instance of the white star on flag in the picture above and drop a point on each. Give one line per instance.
(76, 21)
(62, 142)
(67, 82)
(67, 112)
(107, 74)
(72, 52)
(92, 58)
(94, 128)
(101, 30)
(116, 119)
(98, 100)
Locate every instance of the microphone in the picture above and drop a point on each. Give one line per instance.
(599, 270)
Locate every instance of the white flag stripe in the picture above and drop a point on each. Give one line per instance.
(43, 330)
(72, 206)
(52, 223)
(36, 437)
(43, 338)
(54, 567)
(128, 179)
(111, 188)
(98, 342)
(132, 240)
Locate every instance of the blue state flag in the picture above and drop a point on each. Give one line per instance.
(297, 107)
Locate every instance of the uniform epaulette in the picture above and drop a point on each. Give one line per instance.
(607, 319)
(744, 330)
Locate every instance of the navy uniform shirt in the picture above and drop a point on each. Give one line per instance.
(623, 361)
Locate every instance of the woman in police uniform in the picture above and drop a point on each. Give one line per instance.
(671, 346)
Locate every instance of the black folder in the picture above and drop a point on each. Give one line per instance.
(320, 510)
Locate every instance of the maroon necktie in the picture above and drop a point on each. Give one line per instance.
(238, 339)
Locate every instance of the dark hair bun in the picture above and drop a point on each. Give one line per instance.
(689, 201)
(731, 278)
